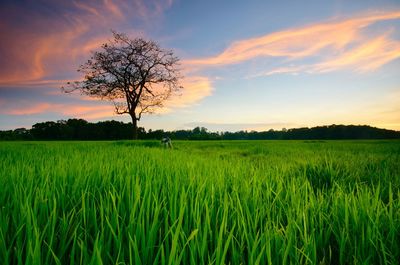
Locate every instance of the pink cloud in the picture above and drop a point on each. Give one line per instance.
(41, 46)
(195, 89)
(365, 57)
(88, 112)
(36, 56)
(69, 110)
(31, 109)
(337, 44)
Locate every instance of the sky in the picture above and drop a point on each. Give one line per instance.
(247, 65)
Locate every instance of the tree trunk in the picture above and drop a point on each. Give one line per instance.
(134, 124)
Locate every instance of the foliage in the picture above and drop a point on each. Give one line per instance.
(78, 129)
(137, 75)
(208, 202)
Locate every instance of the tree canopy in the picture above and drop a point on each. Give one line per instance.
(78, 129)
(137, 75)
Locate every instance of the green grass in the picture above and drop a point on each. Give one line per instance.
(242, 202)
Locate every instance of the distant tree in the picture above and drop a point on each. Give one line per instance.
(137, 75)
(78, 129)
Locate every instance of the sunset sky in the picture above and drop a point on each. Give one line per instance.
(248, 65)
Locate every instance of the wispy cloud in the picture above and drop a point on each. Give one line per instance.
(339, 43)
(89, 112)
(366, 57)
(31, 109)
(31, 50)
(195, 89)
(70, 110)
(40, 56)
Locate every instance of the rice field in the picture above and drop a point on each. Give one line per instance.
(206, 202)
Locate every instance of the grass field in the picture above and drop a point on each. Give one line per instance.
(241, 202)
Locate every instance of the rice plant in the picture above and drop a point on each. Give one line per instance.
(242, 202)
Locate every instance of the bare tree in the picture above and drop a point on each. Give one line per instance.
(137, 75)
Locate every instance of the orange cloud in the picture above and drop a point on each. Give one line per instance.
(30, 110)
(33, 51)
(195, 89)
(365, 57)
(89, 112)
(72, 110)
(37, 54)
(335, 38)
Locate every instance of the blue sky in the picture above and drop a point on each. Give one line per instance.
(250, 65)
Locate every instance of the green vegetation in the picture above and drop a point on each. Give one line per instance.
(242, 202)
(78, 129)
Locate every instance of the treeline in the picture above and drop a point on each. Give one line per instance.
(78, 129)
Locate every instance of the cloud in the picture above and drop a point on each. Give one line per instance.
(148, 10)
(37, 56)
(34, 54)
(334, 45)
(280, 70)
(69, 110)
(29, 110)
(89, 112)
(366, 57)
(195, 89)
(52, 38)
